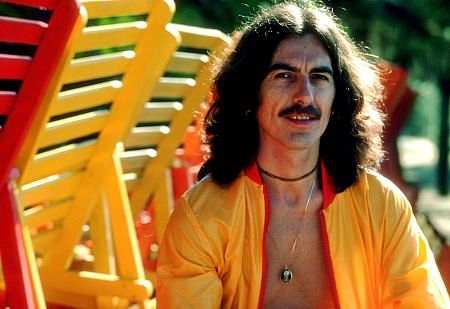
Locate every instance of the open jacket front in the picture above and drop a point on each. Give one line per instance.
(212, 255)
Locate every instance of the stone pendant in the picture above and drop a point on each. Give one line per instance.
(286, 274)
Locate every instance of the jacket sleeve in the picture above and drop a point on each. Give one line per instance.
(411, 276)
(186, 272)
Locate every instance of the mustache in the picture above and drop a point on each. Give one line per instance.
(298, 109)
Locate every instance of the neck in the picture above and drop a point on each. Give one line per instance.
(287, 161)
(287, 166)
(292, 195)
(285, 179)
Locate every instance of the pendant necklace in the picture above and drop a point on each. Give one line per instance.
(286, 274)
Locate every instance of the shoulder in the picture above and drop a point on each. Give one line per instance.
(380, 194)
(378, 185)
(208, 200)
(208, 192)
(375, 204)
(209, 189)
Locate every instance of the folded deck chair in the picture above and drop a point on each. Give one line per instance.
(151, 144)
(70, 187)
(34, 38)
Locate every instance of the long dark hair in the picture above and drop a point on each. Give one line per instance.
(352, 140)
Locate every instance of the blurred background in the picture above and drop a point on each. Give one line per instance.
(414, 34)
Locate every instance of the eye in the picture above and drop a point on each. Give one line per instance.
(283, 75)
(319, 77)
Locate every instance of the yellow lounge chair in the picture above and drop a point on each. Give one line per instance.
(70, 184)
(150, 147)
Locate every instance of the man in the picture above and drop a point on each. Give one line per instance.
(288, 213)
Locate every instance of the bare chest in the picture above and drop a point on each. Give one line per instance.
(310, 285)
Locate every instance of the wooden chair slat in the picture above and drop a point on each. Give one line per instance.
(6, 101)
(47, 4)
(146, 136)
(66, 158)
(101, 37)
(13, 66)
(56, 188)
(187, 63)
(116, 286)
(85, 97)
(159, 111)
(173, 87)
(201, 38)
(40, 215)
(134, 159)
(105, 8)
(58, 132)
(97, 67)
(21, 31)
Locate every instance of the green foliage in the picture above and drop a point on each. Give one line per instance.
(225, 15)
(412, 33)
(425, 113)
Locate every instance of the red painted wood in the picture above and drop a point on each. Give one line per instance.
(19, 291)
(35, 84)
(6, 101)
(22, 31)
(13, 66)
(47, 4)
(443, 261)
(398, 102)
(36, 75)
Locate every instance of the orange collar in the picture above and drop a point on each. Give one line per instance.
(327, 187)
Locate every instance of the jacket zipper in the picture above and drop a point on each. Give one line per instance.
(264, 256)
(326, 250)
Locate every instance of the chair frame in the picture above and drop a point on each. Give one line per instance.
(23, 288)
(100, 184)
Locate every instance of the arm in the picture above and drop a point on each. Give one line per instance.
(411, 277)
(186, 273)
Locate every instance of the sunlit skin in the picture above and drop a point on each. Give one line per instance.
(296, 98)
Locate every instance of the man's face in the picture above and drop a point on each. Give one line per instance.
(296, 95)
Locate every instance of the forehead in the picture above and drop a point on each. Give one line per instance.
(301, 50)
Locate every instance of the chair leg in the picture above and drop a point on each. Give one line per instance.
(102, 249)
(129, 261)
(164, 204)
(23, 287)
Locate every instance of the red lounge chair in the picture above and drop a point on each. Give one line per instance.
(30, 51)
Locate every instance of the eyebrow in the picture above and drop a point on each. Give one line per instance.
(288, 67)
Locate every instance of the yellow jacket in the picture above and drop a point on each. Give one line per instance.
(212, 254)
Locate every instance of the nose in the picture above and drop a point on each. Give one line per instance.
(303, 94)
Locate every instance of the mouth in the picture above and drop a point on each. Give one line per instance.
(301, 117)
(301, 113)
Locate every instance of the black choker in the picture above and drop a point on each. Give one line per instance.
(287, 179)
